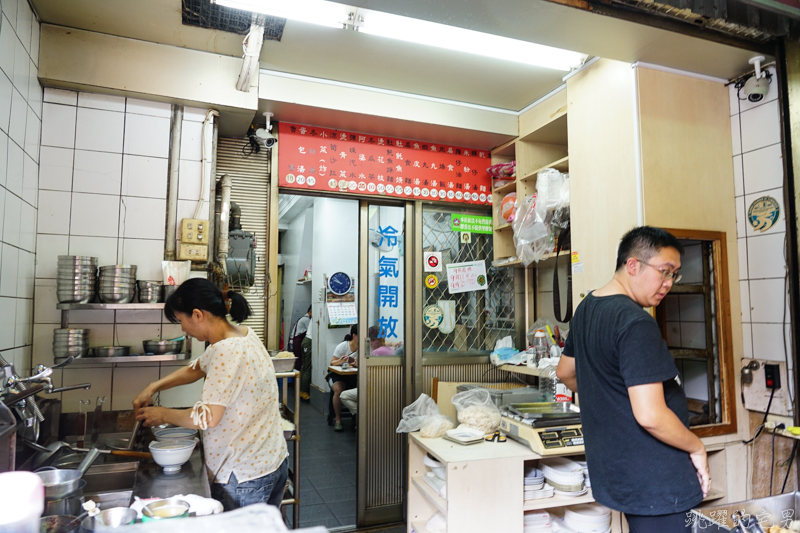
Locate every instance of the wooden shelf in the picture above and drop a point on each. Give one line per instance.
(507, 188)
(506, 149)
(554, 132)
(503, 226)
(715, 495)
(521, 369)
(557, 501)
(562, 165)
(430, 494)
(419, 527)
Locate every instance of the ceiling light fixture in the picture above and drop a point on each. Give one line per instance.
(408, 29)
(318, 12)
(468, 41)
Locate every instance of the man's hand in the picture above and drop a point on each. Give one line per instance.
(651, 412)
(700, 462)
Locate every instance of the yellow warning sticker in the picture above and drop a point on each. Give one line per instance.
(431, 281)
(575, 258)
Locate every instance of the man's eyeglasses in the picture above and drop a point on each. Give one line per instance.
(665, 274)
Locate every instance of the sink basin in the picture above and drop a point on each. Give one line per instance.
(108, 477)
(109, 500)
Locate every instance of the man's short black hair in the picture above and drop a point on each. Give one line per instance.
(643, 243)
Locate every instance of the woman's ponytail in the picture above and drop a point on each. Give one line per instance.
(240, 309)
(352, 334)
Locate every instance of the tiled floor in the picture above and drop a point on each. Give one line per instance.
(327, 472)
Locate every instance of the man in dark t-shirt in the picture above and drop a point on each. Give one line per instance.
(643, 459)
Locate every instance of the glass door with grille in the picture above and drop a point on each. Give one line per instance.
(384, 298)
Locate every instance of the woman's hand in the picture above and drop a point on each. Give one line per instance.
(337, 361)
(143, 399)
(152, 416)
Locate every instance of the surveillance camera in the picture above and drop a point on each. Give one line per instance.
(269, 142)
(756, 88)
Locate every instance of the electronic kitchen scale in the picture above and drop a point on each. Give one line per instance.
(549, 428)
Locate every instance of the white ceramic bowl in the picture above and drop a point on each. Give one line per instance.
(175, 433)
(172, 454)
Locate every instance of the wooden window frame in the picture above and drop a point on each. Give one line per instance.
(727, 383)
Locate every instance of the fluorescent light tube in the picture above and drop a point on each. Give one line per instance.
(318, 12)
(468, 41)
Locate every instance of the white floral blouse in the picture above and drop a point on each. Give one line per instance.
(248, 441)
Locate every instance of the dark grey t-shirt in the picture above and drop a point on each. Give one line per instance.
(616, 345)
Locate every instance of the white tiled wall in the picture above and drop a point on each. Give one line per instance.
(20, 126)
(103, 193)
(758, 171)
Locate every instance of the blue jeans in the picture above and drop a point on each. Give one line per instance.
(266, 489)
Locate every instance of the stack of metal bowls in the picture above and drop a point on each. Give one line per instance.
(70, 342)
(117, 284)
(149, 291)
(77, 279)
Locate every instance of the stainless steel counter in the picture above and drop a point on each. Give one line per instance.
(152, 482)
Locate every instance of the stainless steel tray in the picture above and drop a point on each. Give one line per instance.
(545, 409)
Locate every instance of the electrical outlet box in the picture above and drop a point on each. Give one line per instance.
(194, 231)
(193, 252)
(756, 394)
(772, 376)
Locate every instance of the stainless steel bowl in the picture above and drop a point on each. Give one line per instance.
(110, 351)
(71, 331)
(149, 297)
(116, 299)
(159, 347)
(75, 298)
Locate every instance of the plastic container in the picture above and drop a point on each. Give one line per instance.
(21, 502)
(540, 347)
(552, 388)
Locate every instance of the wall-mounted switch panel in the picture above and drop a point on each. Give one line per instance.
(194, 231)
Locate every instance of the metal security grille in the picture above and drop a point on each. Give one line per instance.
(250, 175)
(385, 468)
(481, 316)
(204, 14)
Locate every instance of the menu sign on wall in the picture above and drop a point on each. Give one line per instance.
(325, 159)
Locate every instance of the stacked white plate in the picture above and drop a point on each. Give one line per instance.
(588, 518)
(564, 475)
(586, 479)
(538, 494)
(533, 483)
(537, 522)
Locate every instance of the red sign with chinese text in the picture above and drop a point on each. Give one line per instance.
(325, 159)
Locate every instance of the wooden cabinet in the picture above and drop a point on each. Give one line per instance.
(484, 486)
(542, 143)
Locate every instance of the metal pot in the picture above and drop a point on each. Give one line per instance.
(61, 482)
(111, 351)
(69, 504)
(57, 523)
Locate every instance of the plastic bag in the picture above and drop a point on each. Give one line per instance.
(414, 414)
(476, 410)
(531, 234)
(434, 426)
(176, 272)
(560, 216)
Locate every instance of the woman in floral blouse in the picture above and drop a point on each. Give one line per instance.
(239, 414)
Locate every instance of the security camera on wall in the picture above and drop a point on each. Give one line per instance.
(264, 134)
(756, 87)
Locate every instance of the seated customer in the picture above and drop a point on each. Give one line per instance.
(377, 345)
(350, 400)
(345, 351)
